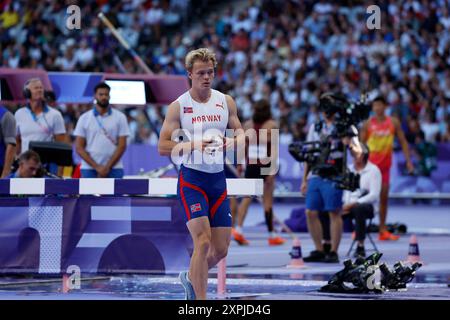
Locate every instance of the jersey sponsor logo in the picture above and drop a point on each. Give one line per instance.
(196, 207)
(208, 118)
(188, 110)
(219, 105)
(382, 132)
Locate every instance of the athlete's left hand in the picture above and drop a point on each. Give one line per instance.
(228, 143)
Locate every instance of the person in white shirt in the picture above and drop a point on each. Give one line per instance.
(202, 115)
(363, 203)
(101, 137)
(37, 121)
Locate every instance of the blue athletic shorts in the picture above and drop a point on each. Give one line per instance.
(322, 195)
(203, 194)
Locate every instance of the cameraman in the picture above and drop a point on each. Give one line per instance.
(363, 202)
(29, 165)
(37, 121)
(322, 193)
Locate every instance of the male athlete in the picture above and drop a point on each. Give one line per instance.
(378, 133)
(259, 149)
(203, 115)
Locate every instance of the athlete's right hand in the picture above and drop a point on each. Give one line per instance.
(240, 169)
(201, 146)
(304, 187)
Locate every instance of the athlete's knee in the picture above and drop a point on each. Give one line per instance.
(220, 252)
(203, 242)
(269, 182)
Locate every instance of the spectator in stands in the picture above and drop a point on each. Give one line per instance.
(101, 137)
(412, 129)
(7, 141)
(240, 41)
(84, 56)
(29, 165)
(153, 18)
(69, 61)
(10, 17)
(446, 135)
(429, 126)
(426, 153)
(363, 203)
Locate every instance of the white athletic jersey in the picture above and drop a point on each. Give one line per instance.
(201, 121)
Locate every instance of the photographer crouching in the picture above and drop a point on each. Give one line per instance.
(325, 171)
(29, 166)
(362, 203)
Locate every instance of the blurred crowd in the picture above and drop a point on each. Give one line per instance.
(288, 52)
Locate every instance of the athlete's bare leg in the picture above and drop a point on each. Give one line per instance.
(269, 186)
(242, 210)
(200, 231)
(220, 241)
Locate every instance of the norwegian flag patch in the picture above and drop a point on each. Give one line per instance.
(188, 110)
(196, 207)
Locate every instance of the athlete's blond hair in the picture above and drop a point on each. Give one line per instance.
(202, 54)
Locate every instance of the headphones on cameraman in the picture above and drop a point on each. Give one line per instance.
(26, 92)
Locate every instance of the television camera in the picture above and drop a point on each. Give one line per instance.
(327, 157)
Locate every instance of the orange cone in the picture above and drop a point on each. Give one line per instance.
(296, 255)
(413, 252)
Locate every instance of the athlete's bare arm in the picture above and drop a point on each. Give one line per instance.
(171, 124)
(248, 124)
(234, 123)
(401, 138)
